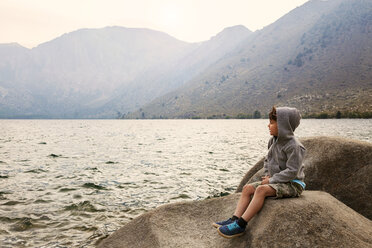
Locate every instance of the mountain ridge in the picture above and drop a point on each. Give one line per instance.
(327, 70)
(64, 77)
(316, 57)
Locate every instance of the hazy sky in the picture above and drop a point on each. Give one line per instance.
(31, 22)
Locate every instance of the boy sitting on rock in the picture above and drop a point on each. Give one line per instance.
(284, 172)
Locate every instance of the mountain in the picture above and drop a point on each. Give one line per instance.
(317, 58)
(81, 70)
(175, 74)
(101, 73)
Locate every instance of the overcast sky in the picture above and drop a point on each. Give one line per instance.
(31, 22)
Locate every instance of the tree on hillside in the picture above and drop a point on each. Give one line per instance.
(257, 114)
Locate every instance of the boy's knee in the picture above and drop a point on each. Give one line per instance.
(262, 189)
(248, 189)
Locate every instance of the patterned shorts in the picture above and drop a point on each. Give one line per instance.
(283, 190)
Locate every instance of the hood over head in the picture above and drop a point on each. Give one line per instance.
(288, 119)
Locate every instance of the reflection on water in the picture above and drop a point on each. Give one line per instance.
(68, 183)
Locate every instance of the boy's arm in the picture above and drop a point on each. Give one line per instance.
(295, 156)
(266, 170)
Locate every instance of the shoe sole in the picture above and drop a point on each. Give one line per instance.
(216, 225)
(227, 236)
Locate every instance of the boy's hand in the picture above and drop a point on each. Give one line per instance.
(265, 180)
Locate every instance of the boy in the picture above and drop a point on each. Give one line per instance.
(283, 177)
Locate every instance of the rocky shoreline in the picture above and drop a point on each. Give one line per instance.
(334, 211)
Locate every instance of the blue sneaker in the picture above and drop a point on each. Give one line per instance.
(231, 230)
(222, 223)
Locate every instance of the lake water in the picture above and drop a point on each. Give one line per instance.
(70, 183)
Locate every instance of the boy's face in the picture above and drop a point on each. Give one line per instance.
(273, 127)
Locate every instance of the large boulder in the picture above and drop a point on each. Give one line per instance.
(339, 166)
(315, 219)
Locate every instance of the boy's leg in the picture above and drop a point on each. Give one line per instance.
(245, 198)
(237, 228)
(256, 204)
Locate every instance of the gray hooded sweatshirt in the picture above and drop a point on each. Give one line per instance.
(283, 162)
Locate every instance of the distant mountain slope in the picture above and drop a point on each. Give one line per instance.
(317, 58)
(94, 73)
(178, 72)
(82, 69)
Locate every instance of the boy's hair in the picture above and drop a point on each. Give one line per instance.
(272, 114)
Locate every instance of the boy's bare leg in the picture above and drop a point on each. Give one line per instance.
(256, 204)
(245, 198)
